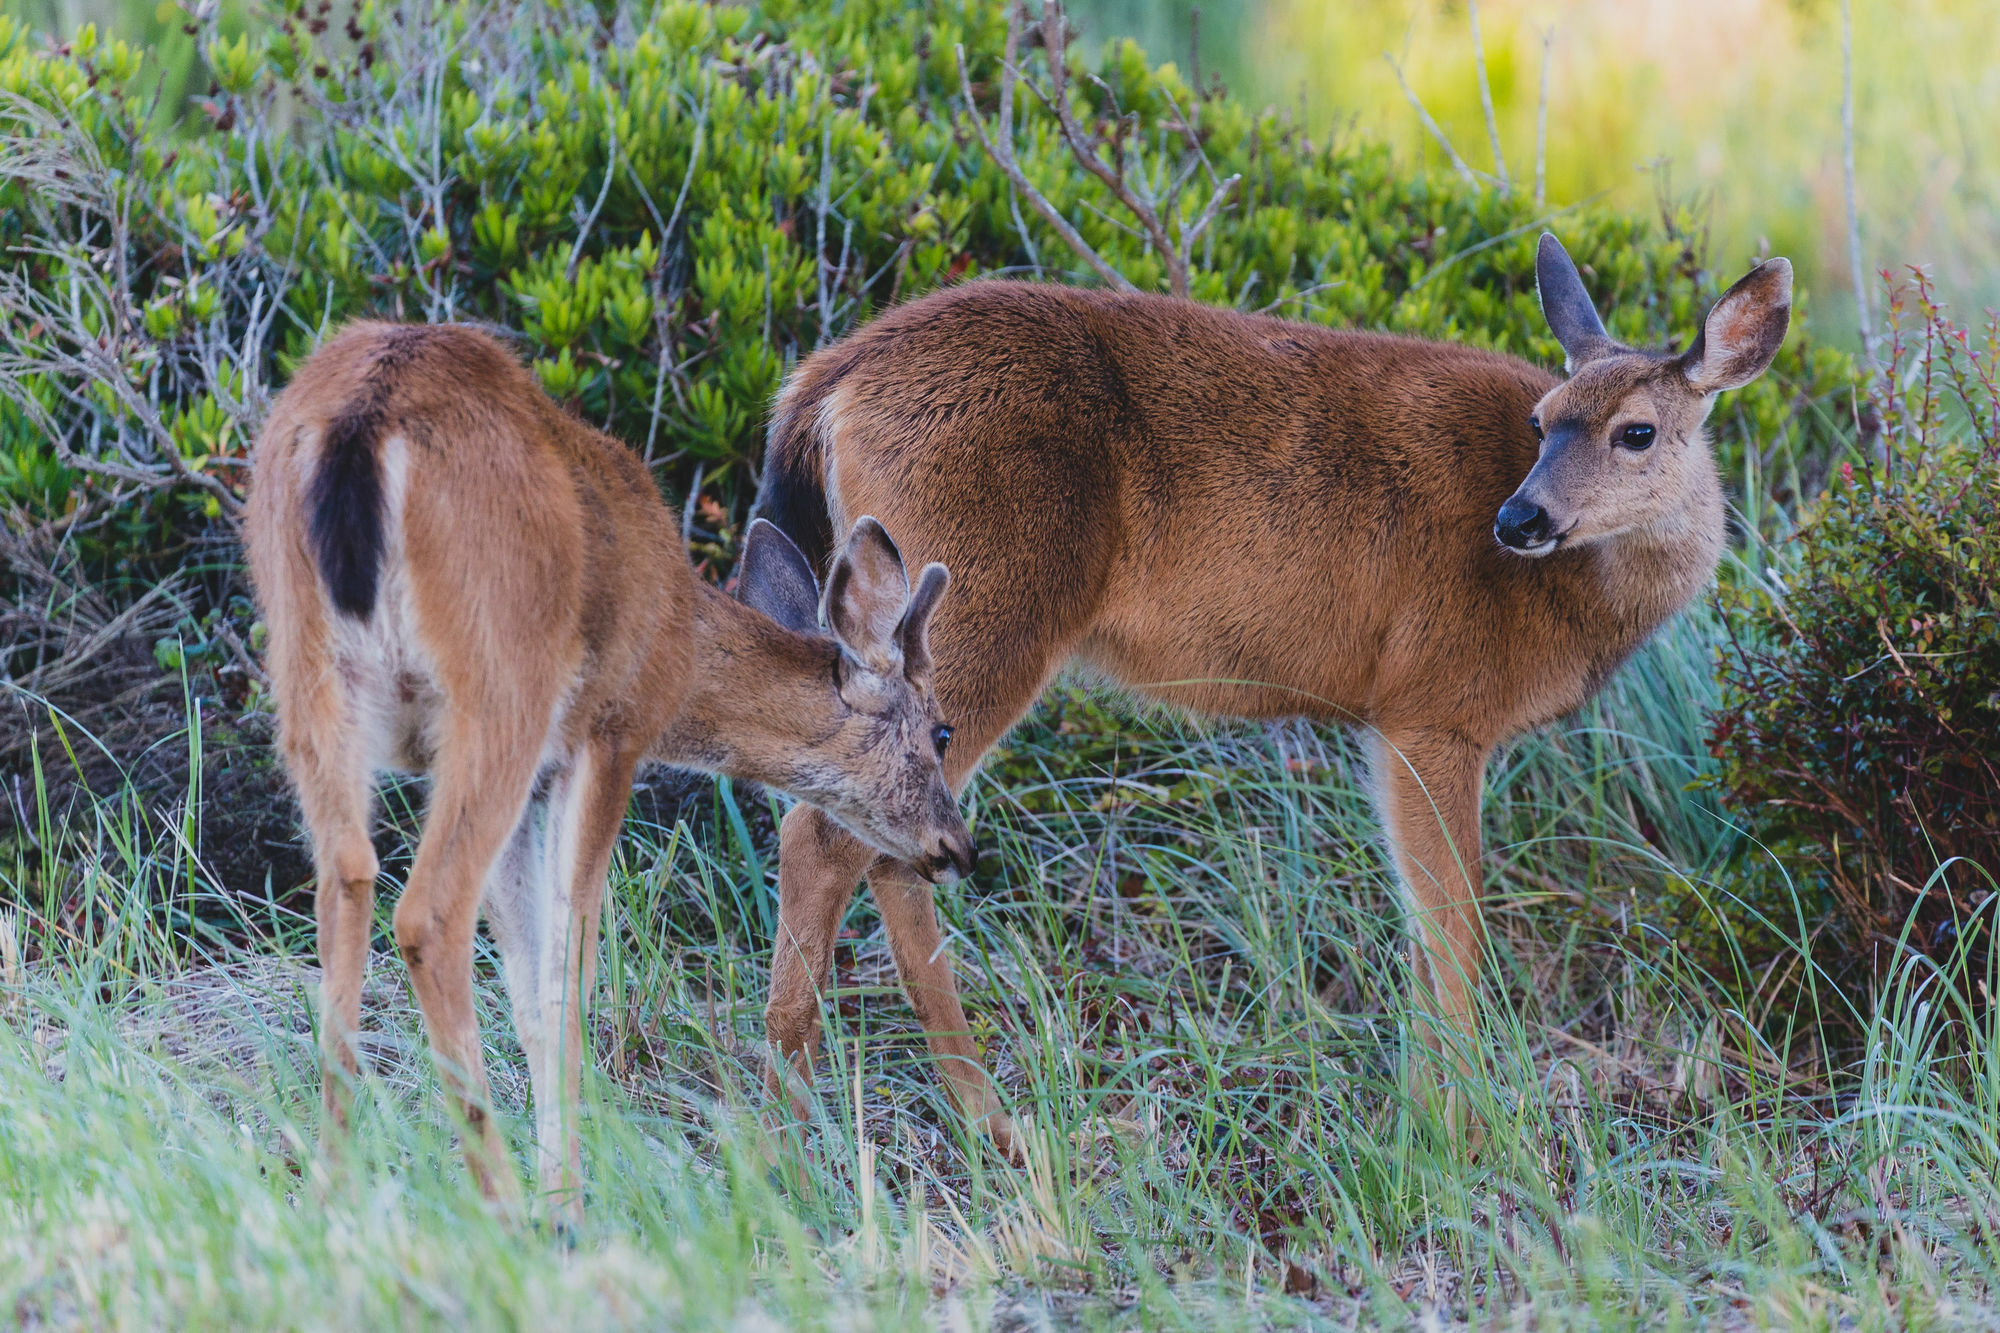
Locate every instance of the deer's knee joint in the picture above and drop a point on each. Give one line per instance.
(418, 934)
(786, 1033)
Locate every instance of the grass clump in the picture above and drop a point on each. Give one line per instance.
(1186, 966)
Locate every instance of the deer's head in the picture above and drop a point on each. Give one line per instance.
(1622, 445)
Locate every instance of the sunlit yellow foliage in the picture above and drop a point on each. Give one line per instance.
(1739, 98)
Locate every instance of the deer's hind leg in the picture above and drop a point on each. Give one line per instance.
(544, 901)
(326, 757)
(481, 783)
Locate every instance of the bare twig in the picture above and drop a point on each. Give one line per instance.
(1084, 147)
(1486, 97)
(241, 652)
(1000, 147)
(1542, 122)
(663, 308)
(1153, 203)
(1857, 270)
(1194, 49)
(589, 222)
(1300, 296)
(1423, 113)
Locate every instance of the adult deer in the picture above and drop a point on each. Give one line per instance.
(1251, 517)
(463, 581)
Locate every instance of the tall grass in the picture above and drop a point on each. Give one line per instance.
(1185, 962)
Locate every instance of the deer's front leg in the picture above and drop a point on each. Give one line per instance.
(1427, 785)
(819, 867)
(909, 915)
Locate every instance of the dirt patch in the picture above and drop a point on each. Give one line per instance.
(96, 736)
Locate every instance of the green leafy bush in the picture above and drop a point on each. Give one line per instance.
(671, 206)
(1861, 726)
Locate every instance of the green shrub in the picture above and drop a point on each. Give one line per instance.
(1861, 725)
(671, 208)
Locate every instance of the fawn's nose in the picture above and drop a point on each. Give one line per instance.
(953, 858)
(1522, 524)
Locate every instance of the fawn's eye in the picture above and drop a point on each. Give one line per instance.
(942, 739)
(1535, 425)
(1636, 437)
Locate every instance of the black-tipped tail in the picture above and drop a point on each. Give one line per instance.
(347, 500)
(793, 492)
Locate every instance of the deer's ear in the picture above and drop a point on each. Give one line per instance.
(773, 577)
(1743, 331)
(915, 632)
(1567, 306)
(866, 592)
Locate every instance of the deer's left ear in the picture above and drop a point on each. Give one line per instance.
(1744, 330)
(773, 577)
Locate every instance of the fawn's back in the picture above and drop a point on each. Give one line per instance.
(501, 546)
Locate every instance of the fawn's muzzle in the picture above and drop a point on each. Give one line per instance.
(952, 860)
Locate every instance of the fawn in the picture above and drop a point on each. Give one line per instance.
(1247, 516)
(461, 580)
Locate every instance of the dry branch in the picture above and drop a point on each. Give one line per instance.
(1123, 173)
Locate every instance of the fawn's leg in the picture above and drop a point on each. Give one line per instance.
(551, 954)
(909, 915)
(818, 864)
(518, 902)
(323, 755)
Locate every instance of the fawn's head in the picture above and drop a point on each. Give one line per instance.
(858, 732)
(1622, 446)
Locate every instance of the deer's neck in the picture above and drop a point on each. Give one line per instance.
(736, 696)
(1649, 573)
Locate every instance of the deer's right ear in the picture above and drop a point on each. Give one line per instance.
(1744, 330)
(915, 631)
(866, 592)
(773, 577)
(1567, 306)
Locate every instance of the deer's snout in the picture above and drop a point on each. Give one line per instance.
(952, 860)
(1524, 526)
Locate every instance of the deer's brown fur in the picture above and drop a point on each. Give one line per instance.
(461, 580)
(1253, 517)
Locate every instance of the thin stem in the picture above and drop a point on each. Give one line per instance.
(1857, 270)
(1458, 163)
(1542, 122)
(1486, 97)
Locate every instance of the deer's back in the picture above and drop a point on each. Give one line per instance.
(1233, 499)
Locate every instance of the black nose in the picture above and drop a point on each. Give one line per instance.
(1521, 524)
(955, 854)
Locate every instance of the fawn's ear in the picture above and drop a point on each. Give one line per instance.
(773, 577)
(914, 635)
(1743, 331)
(865, 596)
(1567, 307)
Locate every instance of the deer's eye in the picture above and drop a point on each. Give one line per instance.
(1636, 437)
(942, 739)
(1535, 425)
